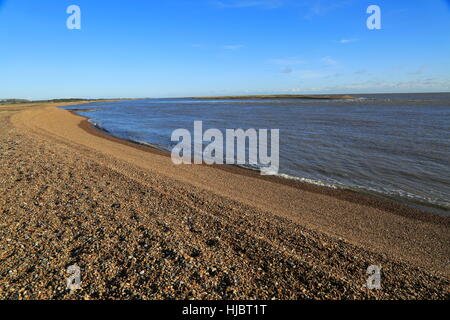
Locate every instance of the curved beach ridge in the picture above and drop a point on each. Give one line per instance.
(140, 227)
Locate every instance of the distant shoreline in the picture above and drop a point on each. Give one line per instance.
(234, 97)
(277, 96)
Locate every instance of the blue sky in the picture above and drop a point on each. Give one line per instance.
(174, 48)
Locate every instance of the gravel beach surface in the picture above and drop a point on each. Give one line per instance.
(141, 228)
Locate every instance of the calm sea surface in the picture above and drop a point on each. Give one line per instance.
(397, 145)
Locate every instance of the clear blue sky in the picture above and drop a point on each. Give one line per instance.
(170, 48)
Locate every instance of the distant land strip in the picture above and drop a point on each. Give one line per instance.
(69, 100)
(278, 96)
(244, 97)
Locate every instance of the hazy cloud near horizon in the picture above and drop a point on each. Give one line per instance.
(233, 46)
(249, 4)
